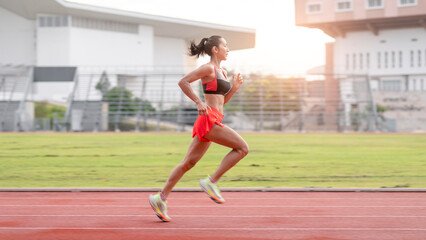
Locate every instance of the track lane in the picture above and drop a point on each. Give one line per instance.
(263, 215)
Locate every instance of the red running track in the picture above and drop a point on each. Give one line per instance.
(245, 215)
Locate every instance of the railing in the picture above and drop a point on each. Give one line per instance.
(15, 84)
(132, 101)
(154, 102)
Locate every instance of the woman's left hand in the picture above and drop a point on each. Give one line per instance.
(237, 81)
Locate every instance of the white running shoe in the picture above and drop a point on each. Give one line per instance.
(159, 206)
(211, 189)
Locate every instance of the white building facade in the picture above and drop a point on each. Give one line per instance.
(382, 40)
(142, 53)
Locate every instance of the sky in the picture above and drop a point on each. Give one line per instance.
(281, 47)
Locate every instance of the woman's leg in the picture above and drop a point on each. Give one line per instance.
(195, 152)
(226, 136)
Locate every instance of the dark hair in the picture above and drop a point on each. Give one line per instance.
(205, 46)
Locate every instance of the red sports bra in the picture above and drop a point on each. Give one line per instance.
(219, 85)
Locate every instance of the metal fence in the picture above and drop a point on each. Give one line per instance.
(154, 102)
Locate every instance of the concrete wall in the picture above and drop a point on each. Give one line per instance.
(89, 116)
(53, 46)
(91, 47)
(407, 108)
(190, 63)
(17, 39)
(169, 52)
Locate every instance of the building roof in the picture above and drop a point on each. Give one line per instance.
(237, 37)
(335, 29)
(359, 18)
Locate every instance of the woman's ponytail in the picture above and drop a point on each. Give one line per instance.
(204, 47)
(198, 49)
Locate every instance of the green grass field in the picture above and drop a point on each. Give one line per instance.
(275, 160)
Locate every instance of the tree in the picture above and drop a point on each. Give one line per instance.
(269, 93)
(121, 100)
(46, 110)
(103, 84)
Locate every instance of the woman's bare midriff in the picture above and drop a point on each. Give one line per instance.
(215, 101)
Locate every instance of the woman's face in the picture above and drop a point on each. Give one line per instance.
(222, 50)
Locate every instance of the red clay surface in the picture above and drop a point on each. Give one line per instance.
(245, 215)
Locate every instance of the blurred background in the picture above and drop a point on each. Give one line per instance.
(309, 65)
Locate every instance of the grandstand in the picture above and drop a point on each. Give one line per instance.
(16, 112)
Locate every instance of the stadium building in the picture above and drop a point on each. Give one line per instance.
(378, 42)
(58, 50)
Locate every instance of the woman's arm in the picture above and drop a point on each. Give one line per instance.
(230, 94)
(184, 84)
(236, 84)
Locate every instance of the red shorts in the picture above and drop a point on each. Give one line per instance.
(204, 123)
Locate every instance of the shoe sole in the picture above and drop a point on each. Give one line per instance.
(211, 196)
(156, 209)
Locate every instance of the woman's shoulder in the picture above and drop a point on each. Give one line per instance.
(207, 68)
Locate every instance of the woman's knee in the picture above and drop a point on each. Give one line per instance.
(187, 165)
(243, 149)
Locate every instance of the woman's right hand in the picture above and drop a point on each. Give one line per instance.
(202, 108)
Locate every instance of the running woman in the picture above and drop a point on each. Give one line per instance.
(208, 127)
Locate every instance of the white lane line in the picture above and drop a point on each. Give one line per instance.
(242, 198)
(211, 216)
(208, 206)
(210, 229)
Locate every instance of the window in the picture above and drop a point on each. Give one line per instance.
(313, 8)
(386, 59)
(412, 58)
(354, 61)
(52, 21)
(391, 85)
(393, 59)
(400, 59)
(407, 3)
(422, 86)
(378, 60)
(343, 5)
(347, 61)
(368, 60)
(412, 85)
(361, 61)
(374, 4)
(419, 60)
(104, 25)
